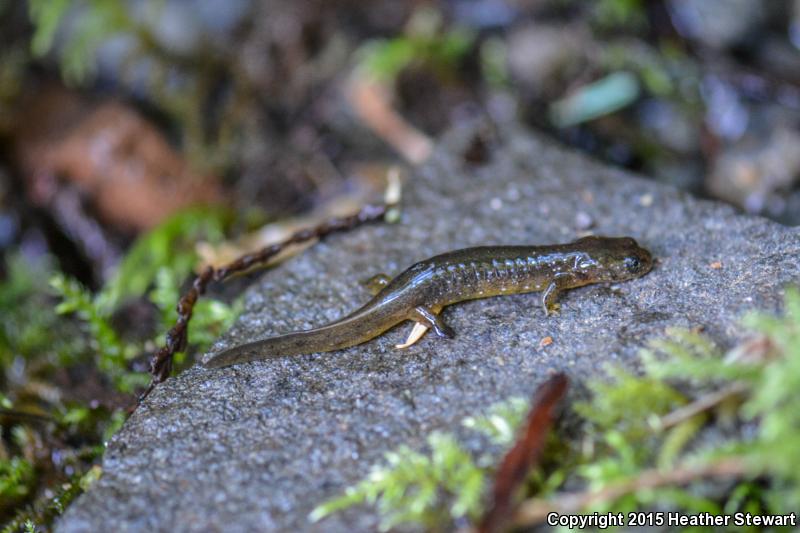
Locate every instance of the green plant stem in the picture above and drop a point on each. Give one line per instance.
(702, 404)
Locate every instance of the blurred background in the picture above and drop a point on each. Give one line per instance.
(141, 138)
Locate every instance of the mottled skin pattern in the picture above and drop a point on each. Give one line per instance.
(420, 292)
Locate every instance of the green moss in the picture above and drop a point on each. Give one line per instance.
(424, 43)
(169, 245)
(611, 405)
(113, 354)
(431, 489)
(436, 489)
(16, 477)
(210, 317)
(619, 14)
(40, 515)
(52, 331)
(30, 330)
(155, 266)
(179, 83)
(96, 20)
(773, 404)
(501, 421)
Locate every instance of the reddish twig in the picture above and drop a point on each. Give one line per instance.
(523, 455)
(177, 336)
(24, 415)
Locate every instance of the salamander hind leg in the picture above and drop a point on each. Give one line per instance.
(416, 334)
(376, 283)
(426, 319)
(432, 319)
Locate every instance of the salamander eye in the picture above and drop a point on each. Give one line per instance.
(632, 264)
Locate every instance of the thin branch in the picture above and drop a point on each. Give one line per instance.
(535, 511)
(371, 102)
(11, 413)
(702, 404)
(177, 336)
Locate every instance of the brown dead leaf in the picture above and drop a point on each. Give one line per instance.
(523, 455)
(120, 162)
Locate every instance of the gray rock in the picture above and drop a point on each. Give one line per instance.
(719, 24)
(257, 446)
(757, 172)
(542, 57)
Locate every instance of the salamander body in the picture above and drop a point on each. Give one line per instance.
(421, 291)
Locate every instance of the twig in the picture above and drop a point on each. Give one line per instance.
(66, 208)
(177, 336)
(523, 455)
(704, 403)
(535, 511)
(370, 100)
(11, 413)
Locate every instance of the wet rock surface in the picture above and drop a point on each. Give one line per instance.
(257, 446)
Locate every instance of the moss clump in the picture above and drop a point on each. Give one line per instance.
(69, 364)
(433, 490)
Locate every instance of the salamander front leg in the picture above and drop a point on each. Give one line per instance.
(425, 319)
(551, 293)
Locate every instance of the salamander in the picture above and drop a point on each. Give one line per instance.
(421, 291)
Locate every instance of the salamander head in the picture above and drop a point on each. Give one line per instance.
(616, 258)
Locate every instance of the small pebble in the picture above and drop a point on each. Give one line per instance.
(646, 200)
(716, 265)
(477, 153)
(513, 194)
(547, 341)
(583, 221)
(392, 215)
